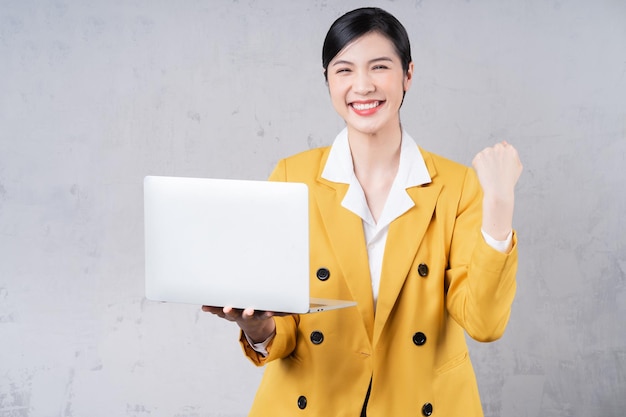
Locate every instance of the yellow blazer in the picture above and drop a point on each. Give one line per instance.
(438, 278)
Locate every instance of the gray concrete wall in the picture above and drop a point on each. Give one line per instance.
(96, 94)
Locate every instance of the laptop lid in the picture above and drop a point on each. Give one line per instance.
(221, 242)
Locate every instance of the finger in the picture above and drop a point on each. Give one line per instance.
(268, 314)
(216, 311)
(250, 313)
(211, 309)
(247, 314)
(231, 314)
(500, 146)
(272, 314)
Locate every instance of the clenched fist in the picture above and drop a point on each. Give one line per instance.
(498, 169)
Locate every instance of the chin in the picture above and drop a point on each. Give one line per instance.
(368, 128)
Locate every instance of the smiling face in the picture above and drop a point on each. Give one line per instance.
(367, 84)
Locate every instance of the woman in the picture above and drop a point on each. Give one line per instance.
(424, 245)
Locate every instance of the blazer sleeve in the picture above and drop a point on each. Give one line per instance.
(284, 341)
(281, 345)
(480, 280)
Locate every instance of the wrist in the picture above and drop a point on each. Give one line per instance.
(497, 217)
(260, 332)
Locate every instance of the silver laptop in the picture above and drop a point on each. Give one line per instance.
(222, 242)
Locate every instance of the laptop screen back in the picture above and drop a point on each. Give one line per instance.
(220, 242)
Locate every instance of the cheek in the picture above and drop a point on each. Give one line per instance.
(332, 87)
(399, 87)
(336, 91)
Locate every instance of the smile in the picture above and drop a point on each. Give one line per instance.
(365, 106)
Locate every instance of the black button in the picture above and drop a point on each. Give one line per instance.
(323, 274)
(302, 402)
(427, 409)
(422, 269)
(419, 338)
(317, 337)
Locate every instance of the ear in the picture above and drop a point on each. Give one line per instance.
(408, 77)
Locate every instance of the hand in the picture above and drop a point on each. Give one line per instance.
(498, 169)
(257, 325)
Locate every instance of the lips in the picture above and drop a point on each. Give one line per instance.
(366, 108)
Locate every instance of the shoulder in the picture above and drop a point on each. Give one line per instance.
(302, 166)
(309, 156)
(457, 181)
(444, 168)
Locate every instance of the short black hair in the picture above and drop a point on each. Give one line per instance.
(359, 22)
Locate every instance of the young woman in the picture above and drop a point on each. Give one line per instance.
(424, 245)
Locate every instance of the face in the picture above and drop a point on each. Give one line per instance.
(367, 83)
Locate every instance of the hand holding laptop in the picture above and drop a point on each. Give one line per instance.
(257, 325)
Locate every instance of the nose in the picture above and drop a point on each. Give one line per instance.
(363, 83)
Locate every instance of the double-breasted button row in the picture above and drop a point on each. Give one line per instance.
(419, 339)
(317, 337)
(427, 409)
(323, 274)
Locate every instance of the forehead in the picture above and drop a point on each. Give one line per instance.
(366, 47)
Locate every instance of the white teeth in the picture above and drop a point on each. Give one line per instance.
(365, 106)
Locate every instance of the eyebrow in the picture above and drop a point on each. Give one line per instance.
(371, 61)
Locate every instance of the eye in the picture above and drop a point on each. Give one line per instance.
(380, 67)
(342, 70)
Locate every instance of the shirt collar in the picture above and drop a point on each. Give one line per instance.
(412, 172)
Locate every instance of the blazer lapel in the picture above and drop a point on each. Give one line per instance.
(345, 232)
(404, 238)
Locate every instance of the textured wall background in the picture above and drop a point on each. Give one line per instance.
(96, 94)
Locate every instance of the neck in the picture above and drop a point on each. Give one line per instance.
(376, 159)
(375, 152)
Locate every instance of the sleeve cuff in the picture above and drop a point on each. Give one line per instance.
(503, 246)
(260, 347)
